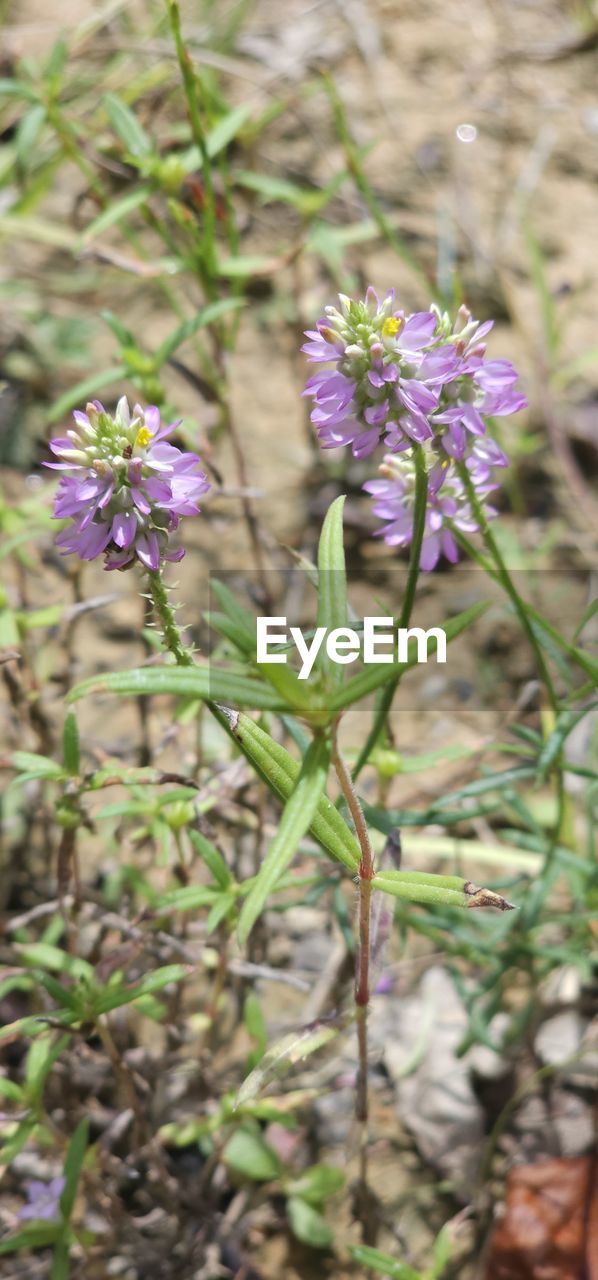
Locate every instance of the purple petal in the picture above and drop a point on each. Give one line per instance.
(124, 528)
(148, 550)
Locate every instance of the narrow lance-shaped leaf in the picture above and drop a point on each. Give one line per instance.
(70, 744)
(281, 1057)
(381, 1264)
(206, 316)
(279, 771)
(332, 585)
(239, 625)
(297, 817)
(127, 126)
(373, 677)
(565, 724)
(115, 213)
(447, 891)
(212, 858)
(192, 682)
(72, 1166)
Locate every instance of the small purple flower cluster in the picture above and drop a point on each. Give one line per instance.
(126, 487)
(43, 1200)
(447, 507)
(407, 381)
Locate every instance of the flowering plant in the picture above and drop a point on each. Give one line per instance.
(408, 382)
(125, 486)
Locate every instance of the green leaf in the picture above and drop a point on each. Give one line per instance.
(28, 131)
(246, 265)
(253, 1017)
(500, 781)
(280, 771)
(37, 229)
(565, 724)
(296, 819)
(70, 744)
(243, 619)
(115, 213)
(127, 126)
(587, 615)
(47, 617)
(382, 1263)
(17, 89)
(415, 886)
(250, 1156)
(332, 585)
(9, 630)
(206, 316)
(36, 1235)
(115, 998)
(191, 898)
(308, 1225)
(61, 1269)
(36, 766)
(226, 129)
(189, 682)
(442, 1253)
(373, 677)
(9, 1089)
(73, 1164)
(35, 1024)
(42, 1055)
(220, 910)
(318, 1183)
(82, 391)
(551, 640)
(282, 1056)
(212, 858)
(448, 891)
(42, 955)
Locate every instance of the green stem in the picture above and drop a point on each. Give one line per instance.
(419, 526)
(165, 613)
(506, 581)
(362, 975)
(199, 137)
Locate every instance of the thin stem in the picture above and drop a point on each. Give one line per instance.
(419, 527)
(507, 582)
(165, 613)
(199, 137)
(362, 973)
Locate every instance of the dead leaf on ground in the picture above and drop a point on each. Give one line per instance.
(550, 1226)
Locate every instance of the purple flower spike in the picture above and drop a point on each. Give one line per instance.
(448, 507)
(125, 488)
(404, 379)
(44, 1199)
(375, 387)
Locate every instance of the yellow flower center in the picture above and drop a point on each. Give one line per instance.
(142, 438)
(391, 326)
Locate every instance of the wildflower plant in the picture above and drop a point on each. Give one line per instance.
(414, 397)
(421, 389)
(124, 487)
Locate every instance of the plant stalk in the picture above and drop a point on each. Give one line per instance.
(164, 611)
(362, 973)
(419, 526)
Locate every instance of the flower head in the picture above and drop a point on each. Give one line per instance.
(448, 507)
(125, 487)
(404, 379)
(383, 382)
(44, 1199)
